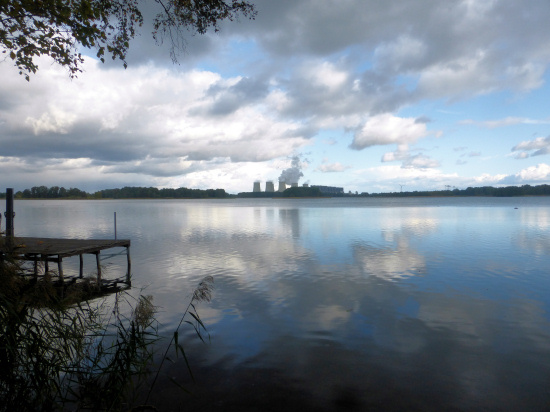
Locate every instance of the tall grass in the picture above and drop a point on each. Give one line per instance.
(66, 354)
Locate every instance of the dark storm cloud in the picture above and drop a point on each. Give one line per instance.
(89, 142)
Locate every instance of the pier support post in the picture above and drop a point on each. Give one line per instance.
(60, 268)
(128, 273)
(98, 268)
(9, 217)
(81, 270)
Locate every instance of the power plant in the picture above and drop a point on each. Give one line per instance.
(290, 177)
(270, 188)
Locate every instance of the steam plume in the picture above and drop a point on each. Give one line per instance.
(293, 173)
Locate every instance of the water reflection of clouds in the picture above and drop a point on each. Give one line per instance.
(315, 297)
(532, 242)
(390, 263)
(535, 217)
(326, 317)
(268, 243)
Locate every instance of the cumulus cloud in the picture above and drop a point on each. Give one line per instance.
(259, 90)
(487, 178)
(387, 129)
(537, 147)
(409, 160)
(534, 173)
(332, 167)
(146, 120)
(530, 175)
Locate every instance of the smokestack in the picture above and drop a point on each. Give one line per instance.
(256, 187)
(282, 186)
(269, 187)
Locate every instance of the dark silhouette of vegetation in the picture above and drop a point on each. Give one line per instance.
(260, 194)
(154, 193)
(58, 28)
(302, 192)
(290, 192)
(56, 192)
(508, 191)
(65, 353)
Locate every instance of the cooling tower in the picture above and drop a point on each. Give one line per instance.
(294, 184)
(306, 184)
(269, 186)
(282, 186)
(256, 187)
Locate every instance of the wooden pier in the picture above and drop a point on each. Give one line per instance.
(48, 250)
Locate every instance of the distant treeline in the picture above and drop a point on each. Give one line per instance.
(154, 193)
(56, 192)
(508, 191)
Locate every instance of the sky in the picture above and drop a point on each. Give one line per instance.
(372, 96)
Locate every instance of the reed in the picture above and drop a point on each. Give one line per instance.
(67, 353)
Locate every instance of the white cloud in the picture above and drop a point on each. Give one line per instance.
(260, 90)
(141, 121)
(387, 129)
(409, 160)
(507, 121)
(530, 175)
(487, 178)
(539, 172)
(332, 167)
(521, 155)
(327, 75)
(536, 147)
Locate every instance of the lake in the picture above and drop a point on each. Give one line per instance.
(338, 304)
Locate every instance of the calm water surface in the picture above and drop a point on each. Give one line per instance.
(340, 304)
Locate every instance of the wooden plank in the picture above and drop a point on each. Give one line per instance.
(54, 250)
(64, 247)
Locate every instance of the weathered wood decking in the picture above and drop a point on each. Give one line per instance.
(54, 250)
